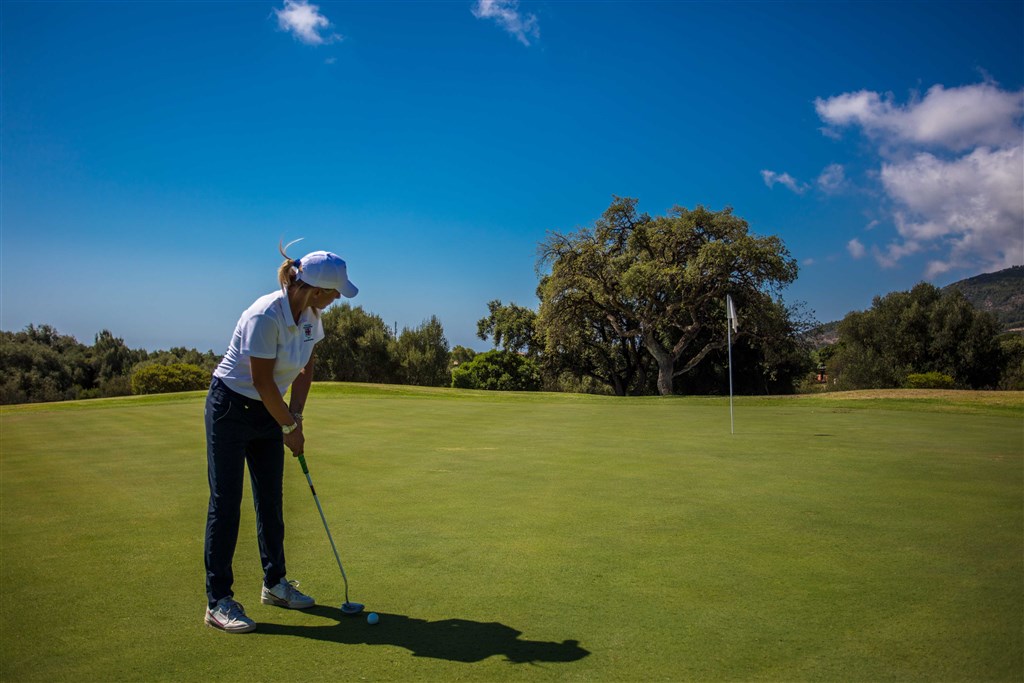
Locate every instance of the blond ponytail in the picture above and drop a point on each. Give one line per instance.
(289, 269)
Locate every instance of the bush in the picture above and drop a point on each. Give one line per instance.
(1012, 346)
(162, 379)
(929, 380)
(119, 386)
(498, 371)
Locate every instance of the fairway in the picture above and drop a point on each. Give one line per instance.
(532, 537)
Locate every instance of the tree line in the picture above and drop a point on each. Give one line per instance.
(40, 364)
(924, 337)
(633, 305)
(636, 305)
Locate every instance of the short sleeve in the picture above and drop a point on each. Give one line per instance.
(259, 337)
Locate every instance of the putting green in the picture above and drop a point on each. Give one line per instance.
(532, 536)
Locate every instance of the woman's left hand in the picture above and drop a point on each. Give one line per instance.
(296, 441)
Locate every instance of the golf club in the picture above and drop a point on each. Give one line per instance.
(347, 607)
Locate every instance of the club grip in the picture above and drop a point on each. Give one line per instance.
(302, 463)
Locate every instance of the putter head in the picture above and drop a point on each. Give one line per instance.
(351, 608)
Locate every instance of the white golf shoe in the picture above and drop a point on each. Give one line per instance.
(228, 615)
(286, 594)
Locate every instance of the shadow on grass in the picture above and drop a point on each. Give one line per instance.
(457, 640)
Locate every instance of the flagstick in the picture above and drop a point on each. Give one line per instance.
(732, 423)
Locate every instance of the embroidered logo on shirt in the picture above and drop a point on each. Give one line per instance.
(307, 331)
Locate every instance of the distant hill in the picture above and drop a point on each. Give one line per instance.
(1000, 293)
(824, 334)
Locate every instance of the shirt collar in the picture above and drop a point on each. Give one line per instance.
(285, 310)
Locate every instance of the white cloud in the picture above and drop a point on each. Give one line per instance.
(305, 22)
(956, 119)
(506, 14)
(771, 178)
(832, 178)
(952, 170)
(974, 204)
(855, 248)
(891, 255)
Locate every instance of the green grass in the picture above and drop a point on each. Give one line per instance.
(532, 537)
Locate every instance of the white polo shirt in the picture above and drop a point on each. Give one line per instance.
(268, 330)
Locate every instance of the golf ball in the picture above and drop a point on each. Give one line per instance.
(372, 618)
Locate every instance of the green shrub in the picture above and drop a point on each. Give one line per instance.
(162, 379)
(118, 386)
(498, 371)
(929, 380)
(1012, 346)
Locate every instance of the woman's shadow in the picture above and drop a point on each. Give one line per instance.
(457, 640)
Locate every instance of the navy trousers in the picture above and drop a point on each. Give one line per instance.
(240, 431)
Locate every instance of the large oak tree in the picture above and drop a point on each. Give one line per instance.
(634, 289)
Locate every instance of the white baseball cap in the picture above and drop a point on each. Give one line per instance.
(325, 270)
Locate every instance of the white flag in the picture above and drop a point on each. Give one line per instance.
(730, 313)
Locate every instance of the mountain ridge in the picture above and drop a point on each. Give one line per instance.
(1000, 293)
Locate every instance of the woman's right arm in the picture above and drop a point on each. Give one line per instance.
(263, 381)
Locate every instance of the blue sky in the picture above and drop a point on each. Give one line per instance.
(153, 154)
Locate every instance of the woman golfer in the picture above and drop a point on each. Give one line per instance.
(247, 421)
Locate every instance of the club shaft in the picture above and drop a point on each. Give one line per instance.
(320, 509)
